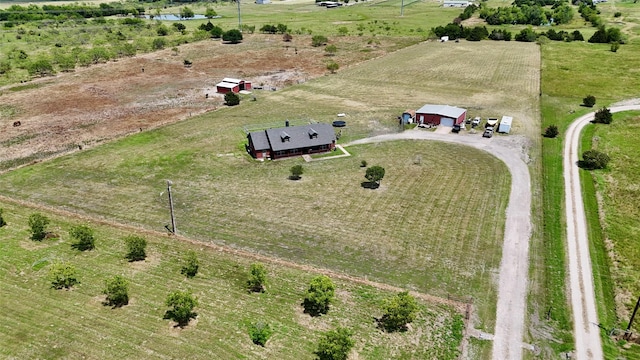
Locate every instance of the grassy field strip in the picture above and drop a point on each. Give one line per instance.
(74, 324)
(460, 306)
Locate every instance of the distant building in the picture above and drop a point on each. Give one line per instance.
(263, 1)
(444, 115)
(232, 85)
(456, 3)
(408, 116)
(291, 141)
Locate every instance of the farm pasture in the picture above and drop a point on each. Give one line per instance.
(40, 322)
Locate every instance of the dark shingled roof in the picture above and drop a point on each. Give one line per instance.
(259, 140)
(300, 136)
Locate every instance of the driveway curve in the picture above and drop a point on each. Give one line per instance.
(585, 316)
(514, 266)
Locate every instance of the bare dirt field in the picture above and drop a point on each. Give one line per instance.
(92, 105)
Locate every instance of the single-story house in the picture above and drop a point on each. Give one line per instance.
(291, 141)
(408, 116)
(505, 124)
(456, 3)
(444, 115)
(232, 85)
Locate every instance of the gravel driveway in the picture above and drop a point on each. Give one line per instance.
(514, 267)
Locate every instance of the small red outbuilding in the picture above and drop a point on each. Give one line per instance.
(444, 115)
(232, 85)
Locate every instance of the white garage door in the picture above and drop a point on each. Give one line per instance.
(446, 122)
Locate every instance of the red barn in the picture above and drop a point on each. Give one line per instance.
(444, 115)
(232, 85)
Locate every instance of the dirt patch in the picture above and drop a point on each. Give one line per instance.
(74, 111)
(151, 261)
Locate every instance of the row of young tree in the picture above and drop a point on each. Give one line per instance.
(398, 310)
(526, 14)
(32, 12)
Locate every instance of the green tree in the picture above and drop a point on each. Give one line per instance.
(603, 116)
(216, 32)
(319, 296)
(615, 46)
(335, 345)
(182, 304)
(136, 248)
(398, 311)
(210, 13)
(594, 159)
(62, 275)
(375, 174)
(589, 101)
(231, 99)
(281, 28)
(551, 131)
(296, 172)
(526, 35)
(257, 278)
(2, 222)
(260, 333)
(117, 291)
(186, 13)
(83, 236)
(232, 36)
(179, 26)
(38, 226)
(333, 67)
(318, 40)
(191, 264)
(40, 67)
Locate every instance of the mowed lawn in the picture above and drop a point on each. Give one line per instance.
(42, 323)
(435, 225)
(619, 187)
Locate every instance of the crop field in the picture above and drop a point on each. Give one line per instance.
(40, 322)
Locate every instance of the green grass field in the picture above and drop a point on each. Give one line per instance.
(40, 322)
(569, 73)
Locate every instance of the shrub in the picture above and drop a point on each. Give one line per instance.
(594, 159)
(191, 264)
(85, 240)
(287, 37)
(216, 32)
(158, 44)
(38, 226)
(62, 275)
(603, 116)
(398, 311)
(260, 333)
(296, 171)
(615, 46)
(319, 296)
(117, 291)
(232, 36)
(182, 304)
(231, 99)
(2, 222)
(589, 101)
(257, 278)
(319, 40)
(162, 30)
(136, 248)
(375, 174)
(333, 67)
(617, 14)
(551, 131)
(331, 49)
(526, 35)
(335, 345)
(363, 163)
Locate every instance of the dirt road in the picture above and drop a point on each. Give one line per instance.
(585, 316)
(514, 267)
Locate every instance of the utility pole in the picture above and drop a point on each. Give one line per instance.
(173, 219)
(628, 332)
(239, 19)
(402, 8)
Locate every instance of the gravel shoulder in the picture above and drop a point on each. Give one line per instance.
(514, 267)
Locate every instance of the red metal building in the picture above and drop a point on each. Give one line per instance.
(232, 85)
(444, 115)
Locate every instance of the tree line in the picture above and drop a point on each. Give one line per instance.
(18, 13)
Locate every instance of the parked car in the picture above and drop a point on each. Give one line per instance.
(476, 121)
(456, 128)
(488, 132)
(468, 121)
